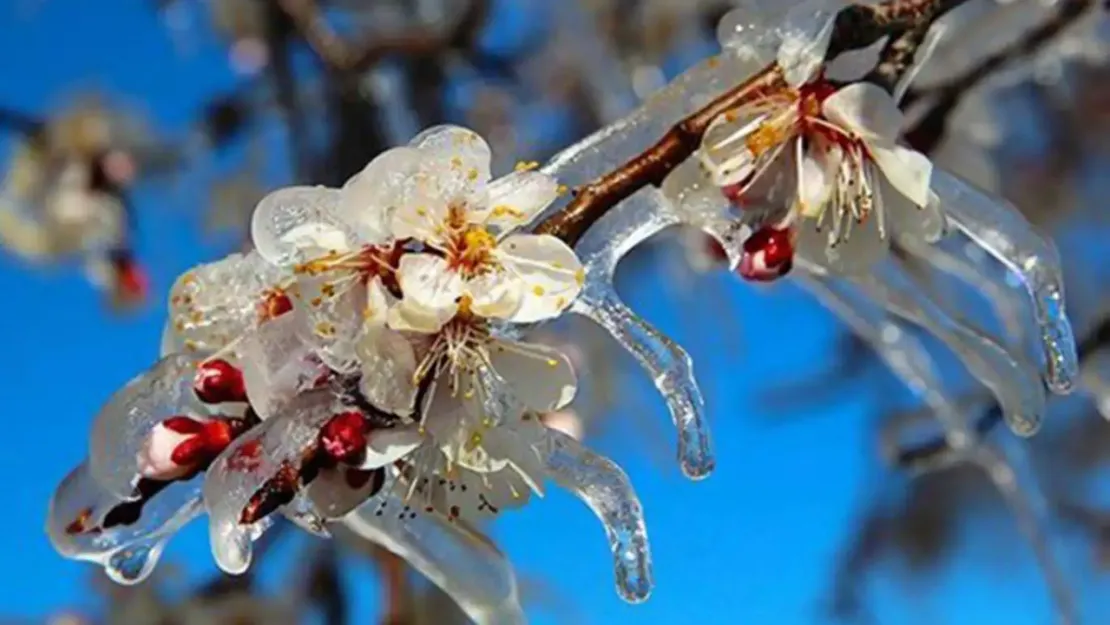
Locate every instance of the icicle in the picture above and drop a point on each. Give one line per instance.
(669, 366)
(996, 290)
(604, 487)
(997, 226)
(906, 357)
(1014, 384)
(463, 564)
(128, 549)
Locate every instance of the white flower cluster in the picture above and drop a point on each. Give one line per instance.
(365, 350)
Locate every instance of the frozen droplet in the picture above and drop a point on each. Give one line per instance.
(133, 564)
(605, 488)
(998, 227)
(670, 367)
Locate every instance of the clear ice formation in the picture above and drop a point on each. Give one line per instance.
(605, 488)
(461, 562)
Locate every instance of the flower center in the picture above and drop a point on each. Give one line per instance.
(472, 251)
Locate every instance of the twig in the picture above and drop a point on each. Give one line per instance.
(857, 26)
(930, 129)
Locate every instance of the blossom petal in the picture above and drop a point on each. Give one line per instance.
(337, 491)
(384, 447)
(277, 365)
(495, 295)
(330, 318)
(388, 365)
(551, 273)
(541, 377)
(212, 304)
(367, 200)
(461, 158)
(296, 224)
(867, 110)
(429, 284)
(816, 179)
(84, 522)
(855, 256)
(908, 171)
(238, 473)
(804, 42)
(423, 207)
(515, 199)
(124, 423)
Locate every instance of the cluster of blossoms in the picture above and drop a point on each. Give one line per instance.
(833, 148)
(367, 348)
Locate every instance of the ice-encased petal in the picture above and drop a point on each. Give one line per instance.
(127, 551)
(296, 224)
(540, 376)
(605, 488)
(331, 319)
(550, 273)
(998, 227)
(367, 199)
(238, 473)
(277, 364)
(462, 563)
(122, 425)
(213, 304)
(337, 491)
(515, 199)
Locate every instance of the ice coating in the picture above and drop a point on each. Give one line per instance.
(463, 564)
(122, 425)
(330, 310)
(669, 366)
(277, 364)
(998, 227)
(295, 224)
(1096, 381)
(1015, 384)
(127, 551)
(605, 488)
(906, 357)
(248, 463)
(1007, 463)
(971, 268)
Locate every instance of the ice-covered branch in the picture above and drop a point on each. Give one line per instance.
(857, 26)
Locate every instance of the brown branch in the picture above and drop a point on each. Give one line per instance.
(927, 134)
(897, 57)
(857, 26)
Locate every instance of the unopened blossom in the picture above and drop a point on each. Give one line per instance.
(851, 183)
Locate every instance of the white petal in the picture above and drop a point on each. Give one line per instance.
(515, 199)
(908, 171)
(464, 151)
(803, 47)
(423, 208)
(388, 365)
(278, 365)
(867, 110)
(378, 301)
(407, 316)
(856, 256)
(541, 377)
(816, 178)
(566, 421)
(367, 200)
(384, 447)
(428, 282)
(495, 294)
(551, 273)
(330, 320)
(296, 224)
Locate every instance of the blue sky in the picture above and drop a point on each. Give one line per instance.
(752, 544)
